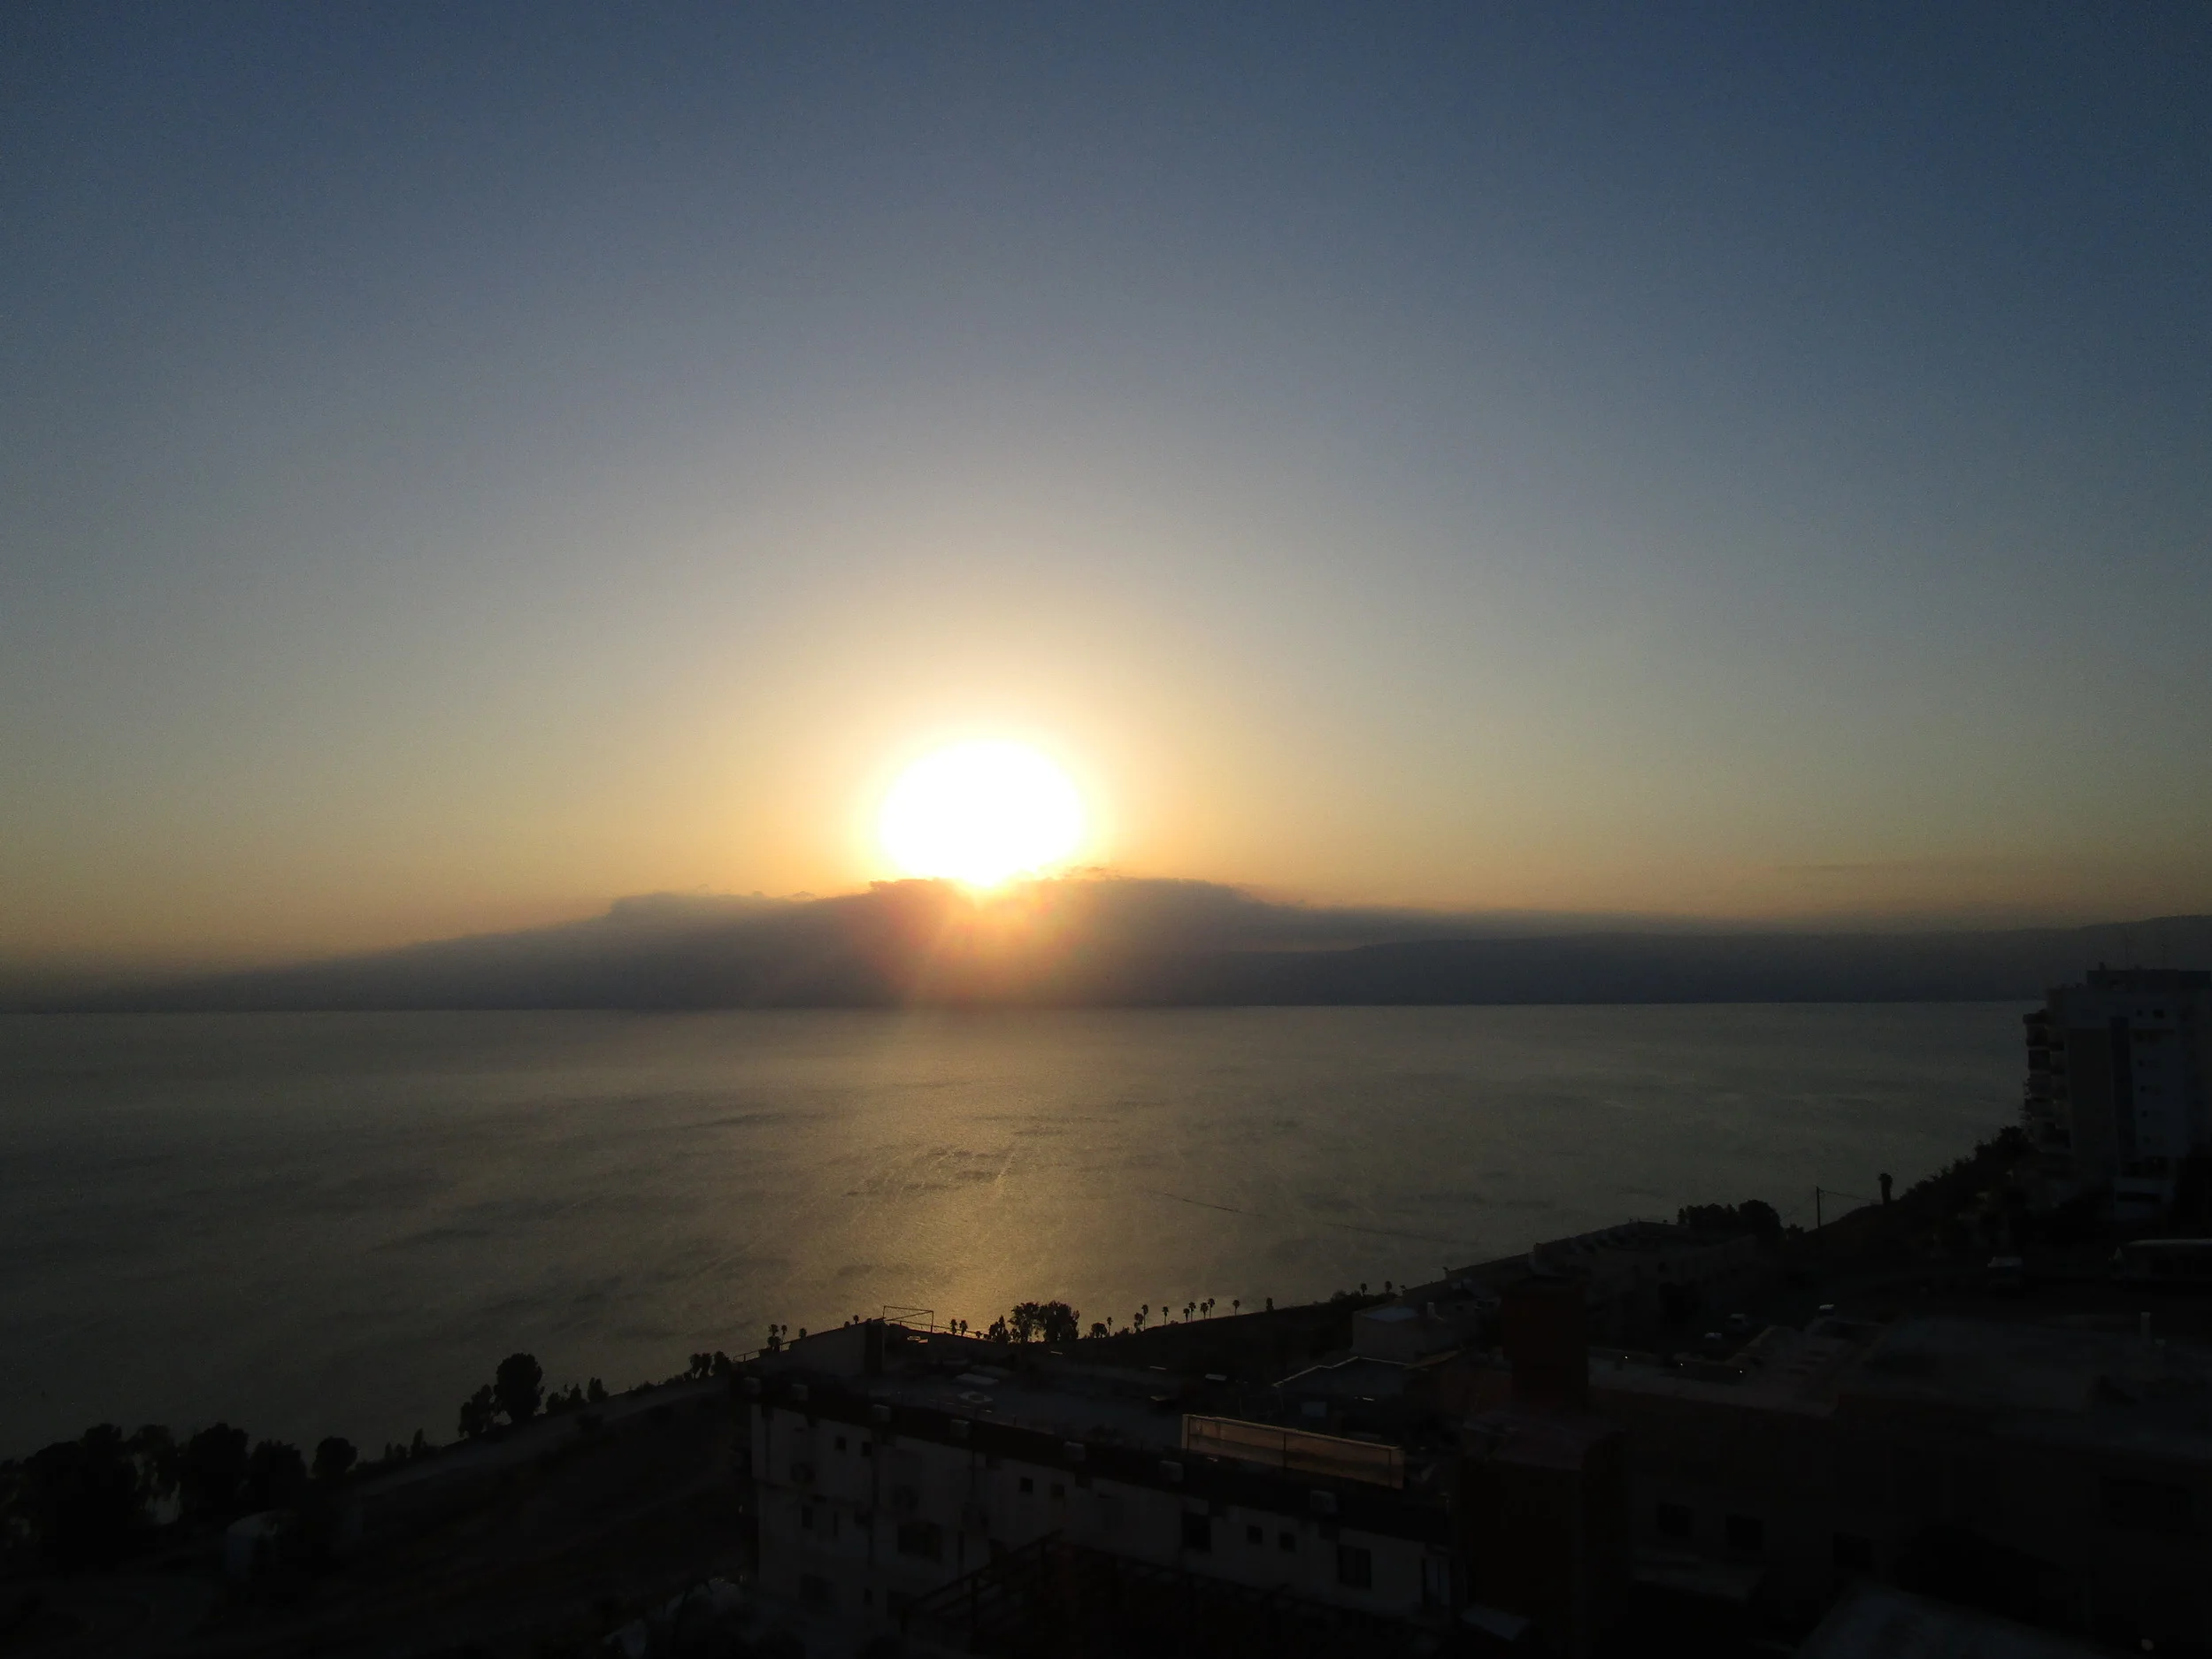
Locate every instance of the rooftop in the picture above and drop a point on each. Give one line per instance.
(2081, 1384)
(1779, 1368)
(1044, 1391)
(1873, 1621)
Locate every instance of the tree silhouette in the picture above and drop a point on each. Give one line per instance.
(332, 1457)
(209, 1471)
(83, 1498)
(276, 1476)
(1031, 1321)
(516, 1386)
(1753, 1216)
(479, 1412)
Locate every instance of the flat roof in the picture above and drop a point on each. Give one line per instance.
(1873, 1621)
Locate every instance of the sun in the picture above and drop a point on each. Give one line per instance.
(981, 813)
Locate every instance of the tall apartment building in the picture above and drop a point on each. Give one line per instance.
(2119, 1082)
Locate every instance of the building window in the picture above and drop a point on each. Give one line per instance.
(815, 1591)
(1855, 1554)
(2148, 1506)
(1028, 1485)
(1198, 1531)
(1747, 1534)
(925, 1540)
(1287, 1541)
(1256, 1535)
(897, 1601)
(867, 1448)
(1673, 1520)
(1059, 1491)
(840, 1442)
(1354, 1567)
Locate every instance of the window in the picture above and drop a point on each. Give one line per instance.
(1747, 1534)
(1028, 1485)
(1287, 1541)
(897, 1601)
(1256, 1535)
(867, 1450)
(1058, 1490)
(1354, 1567)
(1855, 1554)
(815, 1591)
(1673, 1520)
(1198, 1531)
(840, 1442)
(806, 1516)
(923, 1540)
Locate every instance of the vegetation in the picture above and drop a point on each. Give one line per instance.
(105, 1496)
(519, 1386)
(1035, 1321)
(1754, 1216)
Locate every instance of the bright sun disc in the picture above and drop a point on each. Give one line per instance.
(980, 813)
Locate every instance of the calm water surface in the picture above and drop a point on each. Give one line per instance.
(339, 1223)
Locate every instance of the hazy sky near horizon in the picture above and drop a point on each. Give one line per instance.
(464, 461)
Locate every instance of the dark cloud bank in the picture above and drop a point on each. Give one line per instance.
(1140, 943)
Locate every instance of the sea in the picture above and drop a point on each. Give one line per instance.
(311, 1224)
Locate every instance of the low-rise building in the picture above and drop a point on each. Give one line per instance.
(2063, 1475)
(1637, 1278)
(888, 1464)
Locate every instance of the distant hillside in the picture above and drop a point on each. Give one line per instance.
(1152, 943)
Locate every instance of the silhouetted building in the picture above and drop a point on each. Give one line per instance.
(1636, 1277)
(2119, 1085)
(889, 1465)
(2058, 1476)
(1543, 1502)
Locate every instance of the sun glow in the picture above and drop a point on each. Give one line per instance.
(981, 813)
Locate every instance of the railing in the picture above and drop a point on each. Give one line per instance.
(1298, 1449)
